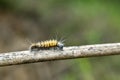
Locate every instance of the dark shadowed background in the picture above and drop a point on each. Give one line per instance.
(81, 22)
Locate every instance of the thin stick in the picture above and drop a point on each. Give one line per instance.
(22, 57)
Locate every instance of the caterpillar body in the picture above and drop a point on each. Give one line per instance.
(46, 45)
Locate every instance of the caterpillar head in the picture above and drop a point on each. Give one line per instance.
(60, 45)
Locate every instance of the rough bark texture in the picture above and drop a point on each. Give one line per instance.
(22, 57)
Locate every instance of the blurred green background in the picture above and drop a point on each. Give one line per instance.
(81, 22)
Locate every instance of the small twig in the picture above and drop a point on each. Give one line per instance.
(21, 57)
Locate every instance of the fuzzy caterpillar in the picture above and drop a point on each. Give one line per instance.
(46, 45)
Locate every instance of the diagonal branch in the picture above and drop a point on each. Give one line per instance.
(22, 57)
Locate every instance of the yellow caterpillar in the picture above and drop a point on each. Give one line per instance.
(46, 45)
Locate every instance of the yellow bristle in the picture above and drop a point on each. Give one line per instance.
(46, 44)
(52, 43)
(55, 42)
(42, 44)
(38, 44)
